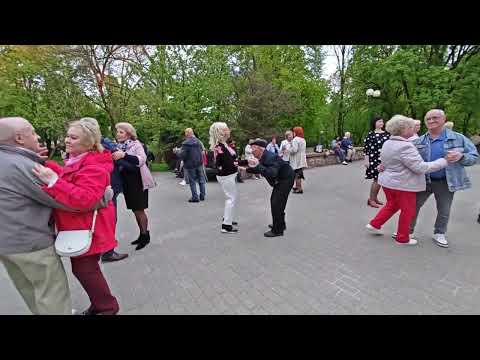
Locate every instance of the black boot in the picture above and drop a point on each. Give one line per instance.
(144, 241)
(137, 241)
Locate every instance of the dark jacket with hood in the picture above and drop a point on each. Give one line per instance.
(191, 153)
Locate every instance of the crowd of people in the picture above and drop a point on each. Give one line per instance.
(42, 198)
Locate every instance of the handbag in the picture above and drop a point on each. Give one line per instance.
(75, 242)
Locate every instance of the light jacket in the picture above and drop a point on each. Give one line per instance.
(81, 186)
(457, 178)
(404, 167)
(135, 148)
(298, 153)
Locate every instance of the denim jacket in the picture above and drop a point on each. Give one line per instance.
(456, 175)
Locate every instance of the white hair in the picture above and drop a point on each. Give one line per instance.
(128, 128)
(216, 136)
(91, 131)
(439, 111)
(347, 134)
(398, 123)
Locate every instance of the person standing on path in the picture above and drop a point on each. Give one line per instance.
(298, 158)
(437, 143)
(192, 155)
(226, 164)
(27, 233)
(280, 176)
(373, 143)
(285, 146)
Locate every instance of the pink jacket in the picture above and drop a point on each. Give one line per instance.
(80, 186)
(404, 167)
(135, 148)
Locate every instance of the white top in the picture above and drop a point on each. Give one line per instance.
(298, 153)
(285, 145)
(248, 152)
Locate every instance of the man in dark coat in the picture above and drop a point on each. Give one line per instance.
(279, 175)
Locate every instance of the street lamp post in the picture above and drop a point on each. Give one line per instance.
(372, 94)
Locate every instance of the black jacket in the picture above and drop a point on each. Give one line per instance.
(224, 161)
(191, 153)
(273, 168)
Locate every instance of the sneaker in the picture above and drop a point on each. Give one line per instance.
(183, 183)
(373, 230)
(412, 241)
(394, 236)
(344, 163)
(193, 200)
(440, 240)
(228, 229)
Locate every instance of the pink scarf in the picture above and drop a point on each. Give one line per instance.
(74, 159)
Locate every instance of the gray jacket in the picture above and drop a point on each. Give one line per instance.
(25, 210)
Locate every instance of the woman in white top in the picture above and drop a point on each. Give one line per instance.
(298, 158)
(285, 146)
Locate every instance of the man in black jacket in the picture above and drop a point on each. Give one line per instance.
(191, 154)
(279, 175)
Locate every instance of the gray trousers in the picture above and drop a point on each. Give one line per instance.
(41, 280)
(443, 198)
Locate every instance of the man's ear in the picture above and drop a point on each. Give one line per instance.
(19, 138)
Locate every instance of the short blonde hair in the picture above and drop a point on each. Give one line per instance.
(449, 125)
(91, 131)
(398, 123)
(347, 134)
(128, 128)
(288, 132)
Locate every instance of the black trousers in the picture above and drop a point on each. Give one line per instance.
(278, 202)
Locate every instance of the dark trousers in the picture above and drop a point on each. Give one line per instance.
(87, 271)
(278, 202)
(196, 175)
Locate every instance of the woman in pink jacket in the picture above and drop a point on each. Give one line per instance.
(80, 185)
(136, 178)
(402, 177)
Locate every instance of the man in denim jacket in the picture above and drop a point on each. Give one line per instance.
(436, 143)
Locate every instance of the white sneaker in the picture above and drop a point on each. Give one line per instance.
(440, 240)
(75, 312)
(183, 183)
(373, 230)
(412, 241)
(344, 163)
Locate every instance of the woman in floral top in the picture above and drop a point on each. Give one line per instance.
(372, 146)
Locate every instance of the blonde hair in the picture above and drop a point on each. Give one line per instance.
(128, 128)
(398, 123)
(91, 131)
(449, 125)
(288, 132)
(216, 136)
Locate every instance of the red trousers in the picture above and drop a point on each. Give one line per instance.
(87, 270)
(405, 201)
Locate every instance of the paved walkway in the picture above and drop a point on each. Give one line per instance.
(325, 264)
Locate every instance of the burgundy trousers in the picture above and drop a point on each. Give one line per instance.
(87, 270)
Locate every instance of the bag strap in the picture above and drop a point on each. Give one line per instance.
(94, 220)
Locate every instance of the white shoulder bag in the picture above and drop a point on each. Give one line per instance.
(75, 242)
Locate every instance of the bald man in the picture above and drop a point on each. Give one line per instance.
(27, 236)
(437, 143)
(192, 155)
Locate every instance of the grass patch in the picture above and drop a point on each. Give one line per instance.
(159, 167)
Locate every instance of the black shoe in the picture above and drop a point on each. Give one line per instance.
(272, 234)
(144, 241)
(114, 257)
(478, 220)
(90, 311)
(271, 227)
(296, 191)
(136, 241)
(193, 200)
(202, 198)
(228, 229)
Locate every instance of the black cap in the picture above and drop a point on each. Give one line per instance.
(260, 142)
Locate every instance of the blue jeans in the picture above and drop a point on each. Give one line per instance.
(196, 175)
